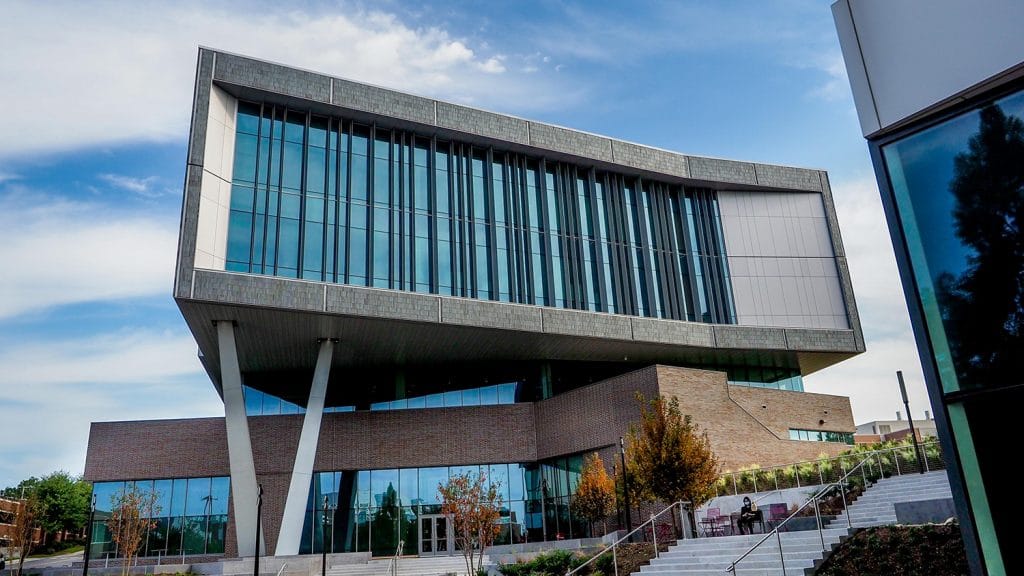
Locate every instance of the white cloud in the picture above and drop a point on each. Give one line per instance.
(125, 71)
(66, 252)
(51, 390)
(140, 186)
(870, 379)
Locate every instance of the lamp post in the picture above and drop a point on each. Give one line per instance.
(323, 536)
(259, 511)
(88, 536)
(625, 485)
(910, 420)
(543, 511)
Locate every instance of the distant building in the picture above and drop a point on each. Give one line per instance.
(9, 511)
(387, 290)
(939, 89)
(881, 430)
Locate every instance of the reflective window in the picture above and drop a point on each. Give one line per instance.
(189, 516)
(821, 436)
(327, 199)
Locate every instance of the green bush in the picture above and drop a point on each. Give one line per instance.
(553, 563)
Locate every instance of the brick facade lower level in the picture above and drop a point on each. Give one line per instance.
(745, 426)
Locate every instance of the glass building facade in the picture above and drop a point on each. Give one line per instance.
(372, 510)
(956, 187)
(328, 199)
(190, 516)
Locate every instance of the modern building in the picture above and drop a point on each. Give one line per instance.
(939, 92)
(881, 430)
(388, 289)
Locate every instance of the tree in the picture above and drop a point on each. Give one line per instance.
(64, 502)
(131, 517)
(26, 525)
(595, 493)
(667, 457)
(983, 306)
(472, 505)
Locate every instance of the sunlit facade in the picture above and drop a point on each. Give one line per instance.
(387, 290)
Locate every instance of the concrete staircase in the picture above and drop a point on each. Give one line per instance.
(876, 507)
(426, 566)
(712, 556)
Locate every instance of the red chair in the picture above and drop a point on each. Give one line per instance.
(777, 512)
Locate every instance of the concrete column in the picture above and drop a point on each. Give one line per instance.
(302, 473)
(243, 471)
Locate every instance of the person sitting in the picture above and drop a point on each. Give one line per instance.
(748, 514)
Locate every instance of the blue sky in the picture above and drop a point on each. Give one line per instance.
(92, 151)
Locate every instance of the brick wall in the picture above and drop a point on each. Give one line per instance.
(589, 418)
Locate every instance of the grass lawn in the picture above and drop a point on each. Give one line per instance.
(70, 550)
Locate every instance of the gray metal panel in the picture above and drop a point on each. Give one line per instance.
(670, 332)
(715, 170)
(258, 291)
(741, 337)
(188, 230)
(482, 123)
(570, 141)
(376, 303)
(647, 158)
(491, 314)
(821, 340)
(382, 101)
(581, 323)
(787, 177)
(272, 77)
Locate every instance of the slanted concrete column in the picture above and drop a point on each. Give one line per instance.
(243, 471)
(302, 473)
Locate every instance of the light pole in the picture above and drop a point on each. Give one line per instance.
(543, 511)
(625, 485)
(323, 536)
(88, 536)
(910, 420)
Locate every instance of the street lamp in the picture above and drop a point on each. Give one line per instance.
(323, 535)
(910, 420)
(88, 536)
(625, 485)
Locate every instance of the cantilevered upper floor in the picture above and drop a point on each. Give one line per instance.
(424, 233)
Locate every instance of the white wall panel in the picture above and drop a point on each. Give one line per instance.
(781, 263)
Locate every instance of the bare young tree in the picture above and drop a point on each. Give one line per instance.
(473, 505)
(26, 527)
(130, 520)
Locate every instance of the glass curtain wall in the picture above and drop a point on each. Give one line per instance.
(958, 192)
(327, 199)
(372, 510)
(190, 516)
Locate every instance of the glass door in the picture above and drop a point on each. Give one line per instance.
(434, 535)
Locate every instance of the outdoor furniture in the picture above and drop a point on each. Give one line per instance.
(777, 512)
(714, 524)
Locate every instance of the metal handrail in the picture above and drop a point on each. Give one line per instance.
(814, 499)
(732, 477)
(654, 529)
(392, 568)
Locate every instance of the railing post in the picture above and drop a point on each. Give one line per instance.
(782, 557)
(775, 474)
(817, 515)
(615, 558)
(654, 535)
(735, 490)
(821, 479)
(753, 474)
(796, 472)
(846, 508)
(926, 467)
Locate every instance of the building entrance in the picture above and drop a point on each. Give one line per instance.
(434, 535)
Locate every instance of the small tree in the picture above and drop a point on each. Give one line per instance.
(595, 494)
(473, 507)
(131, 518)
(667, 457)
(26, 525)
